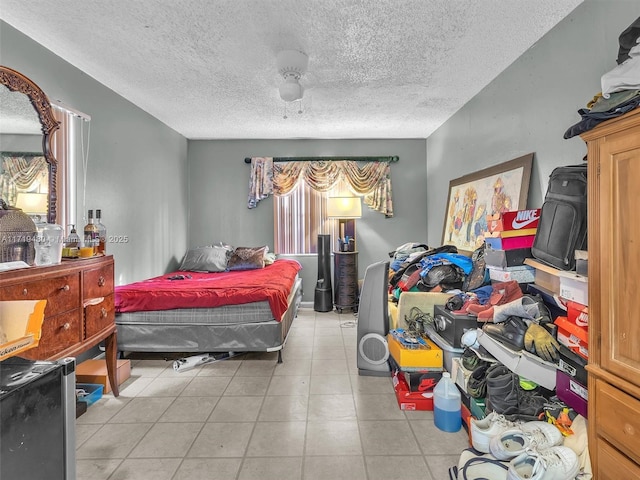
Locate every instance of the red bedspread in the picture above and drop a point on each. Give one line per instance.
(272, 283)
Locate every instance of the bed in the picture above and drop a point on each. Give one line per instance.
(204, 312)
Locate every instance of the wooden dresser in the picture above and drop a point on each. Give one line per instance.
(614, 297)
(80, 309)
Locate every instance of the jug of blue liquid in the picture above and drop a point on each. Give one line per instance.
(446, 405)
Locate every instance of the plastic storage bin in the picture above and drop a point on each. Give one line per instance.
(93, 393)
(447, 404)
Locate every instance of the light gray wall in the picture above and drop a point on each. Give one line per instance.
(20, 143)
(137, 166)
(219, 187)
(529, 106)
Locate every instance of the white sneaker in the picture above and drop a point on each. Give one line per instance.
(472, 466)
(554, 463)
(515, 441)
(482, 431)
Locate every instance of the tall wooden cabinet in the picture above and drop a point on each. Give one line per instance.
(614, 297)
(80, 309)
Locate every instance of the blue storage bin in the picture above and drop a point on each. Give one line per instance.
(93, 392)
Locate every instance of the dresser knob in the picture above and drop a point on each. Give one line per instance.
(101, 281)
(66, 288)
(25, 292)
(66, 326)
(103, 312)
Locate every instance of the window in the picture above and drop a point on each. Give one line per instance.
(300, 216)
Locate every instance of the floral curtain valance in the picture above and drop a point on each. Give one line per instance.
(372, 181)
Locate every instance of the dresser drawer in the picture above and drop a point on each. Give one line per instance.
(618, 419)
(98, 282)
(98, 317)
(62, 293)
(612, 465)
(58, 333)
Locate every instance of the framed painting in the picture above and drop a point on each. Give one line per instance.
(496, 189)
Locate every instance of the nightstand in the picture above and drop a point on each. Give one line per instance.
(345, 280)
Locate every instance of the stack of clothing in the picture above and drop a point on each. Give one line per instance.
(620, 86)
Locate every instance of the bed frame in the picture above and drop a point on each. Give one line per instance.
(234, 328)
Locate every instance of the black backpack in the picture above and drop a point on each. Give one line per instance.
(562, 228)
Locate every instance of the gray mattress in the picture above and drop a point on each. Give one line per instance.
(237, 328)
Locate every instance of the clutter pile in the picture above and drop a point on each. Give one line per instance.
(515, 349)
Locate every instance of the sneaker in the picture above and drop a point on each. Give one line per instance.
(555, 463)
(477, 383)
(482, 431)
(474, 465)
(516, 441)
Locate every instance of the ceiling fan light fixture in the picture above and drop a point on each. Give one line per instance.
(291, 90)
(292, 63)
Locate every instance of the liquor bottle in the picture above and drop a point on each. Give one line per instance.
(102, 234)
(73, 240)
(91, 234)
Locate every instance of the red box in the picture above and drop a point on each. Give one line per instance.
(511, 243)
(408, 400)
(573, 337)
(515, 220)
(578, 314)
(572, 393)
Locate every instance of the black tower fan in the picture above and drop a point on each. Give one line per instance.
(322, 301)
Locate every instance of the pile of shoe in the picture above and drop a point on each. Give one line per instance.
(505, 396)
(515, 451)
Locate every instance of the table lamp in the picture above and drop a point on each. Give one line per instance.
(346, 210)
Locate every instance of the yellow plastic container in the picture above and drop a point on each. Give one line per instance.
(427, 358)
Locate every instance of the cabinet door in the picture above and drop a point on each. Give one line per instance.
(616, 278)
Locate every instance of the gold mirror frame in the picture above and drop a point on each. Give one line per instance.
(17, 82)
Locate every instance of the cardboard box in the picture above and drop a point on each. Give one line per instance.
(582, 262)
(522, 363)
(514, 220)
(573, 365)
(506, 258)
(572, 336)
(499, 243)
(578, 314)
(20, 325)
(573, 393)
(521, 274)
(574, 287)
(408, 400)
(415, 357)
(419, 380)
(95, 371)
(546, 276)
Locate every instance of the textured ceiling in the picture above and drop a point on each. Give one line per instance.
(207, 68)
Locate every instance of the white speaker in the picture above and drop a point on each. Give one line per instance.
(373, 321)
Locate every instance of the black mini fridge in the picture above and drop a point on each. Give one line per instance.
(37, 419)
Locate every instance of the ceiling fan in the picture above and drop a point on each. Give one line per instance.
(292, 64)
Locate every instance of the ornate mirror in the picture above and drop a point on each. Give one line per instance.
(28, 169)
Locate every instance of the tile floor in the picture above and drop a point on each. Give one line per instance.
(311, 417)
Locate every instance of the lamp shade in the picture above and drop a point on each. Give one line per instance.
(344, 207)
(32, 203)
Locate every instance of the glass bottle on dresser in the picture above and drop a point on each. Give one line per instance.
(91, 234)
(102, 234)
